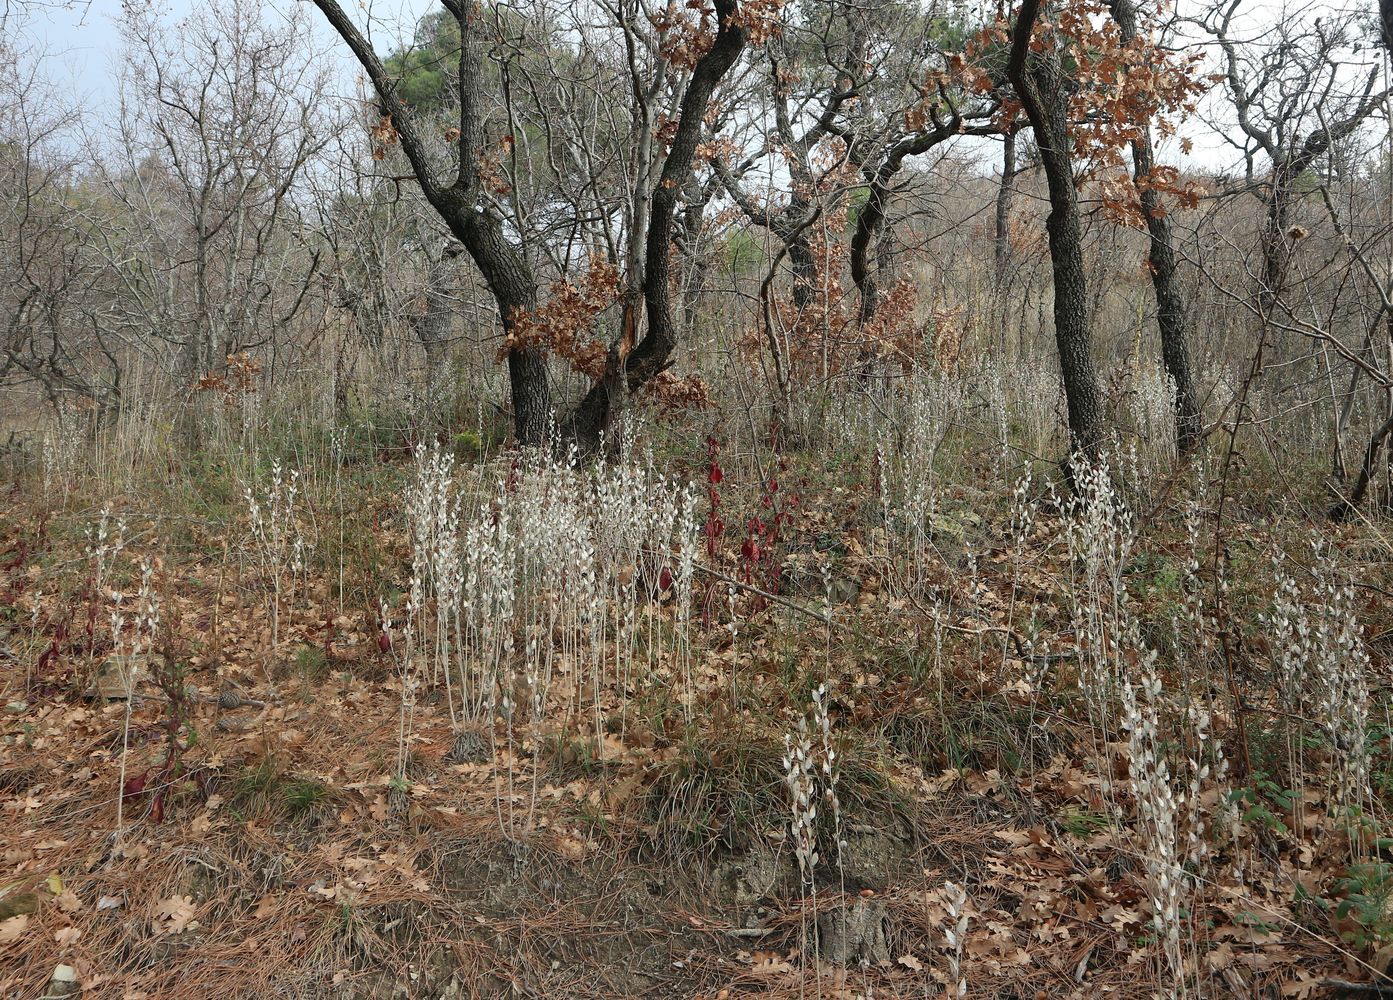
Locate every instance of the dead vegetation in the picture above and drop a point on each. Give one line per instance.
(322, 831)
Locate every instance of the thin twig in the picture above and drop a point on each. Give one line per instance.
(764, 594)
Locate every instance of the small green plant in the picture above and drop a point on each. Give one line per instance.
(303, 795)
(1157, 571)
(311, 663)
(467, 446)
(1082, 823)
(572, 757)
(1362, 908)
(268, 786)
(1262, 801)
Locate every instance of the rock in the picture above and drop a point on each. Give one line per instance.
(754, 875)
(63, 982)
(855, 934)
(17, 707)
(845, 590)
(952, 525)
(116, 677)
(870, 858)
(14, 904)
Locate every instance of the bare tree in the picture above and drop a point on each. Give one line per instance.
(201, 240)
(826, 57)
(1005, 196)
(42, 338)
(1296, 93)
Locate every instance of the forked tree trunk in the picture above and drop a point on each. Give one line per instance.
(653, 353)
(871, 220)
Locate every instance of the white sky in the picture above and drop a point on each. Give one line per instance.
(83, 41)
(83, 44)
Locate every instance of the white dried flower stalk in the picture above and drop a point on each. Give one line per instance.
(955, 936)
(1323, 666)
(1158, 810)
(278, 544)
(1100, 535)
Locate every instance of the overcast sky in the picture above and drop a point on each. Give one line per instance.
(84, 41)
(84, 46)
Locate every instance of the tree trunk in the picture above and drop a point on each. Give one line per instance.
(804, 266)
(1170, 305)
(870, 221)
(1170, 308)
(461, 206)
(1038, 81)
(514, 289)
(1276, 241)
(651, 355)
(432, 324)
(1005, 194)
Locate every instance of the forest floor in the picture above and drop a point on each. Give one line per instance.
(986, 831)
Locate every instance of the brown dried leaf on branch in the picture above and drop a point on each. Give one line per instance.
(383, 134)
(565, 323)
(685, 32)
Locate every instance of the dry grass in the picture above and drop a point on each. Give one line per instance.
(321, 848)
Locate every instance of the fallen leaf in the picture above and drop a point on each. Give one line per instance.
(176, 915)
(68, 901)
(768, 963)
(14, 928)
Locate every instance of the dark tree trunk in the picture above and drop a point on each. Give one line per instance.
(1173, 322)
(694, 264)
(651, 355)
(1039, 82)
(804, 266)
(870, 221)
(1170, 305)
(1276, 237)
(432, 325)
(1005, 194)
(868, 226)
(1346, 507)
(510, 279)
(460, 203)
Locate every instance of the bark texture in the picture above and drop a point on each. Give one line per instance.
(1171, 315)
(1040, 83)
(463, 207)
